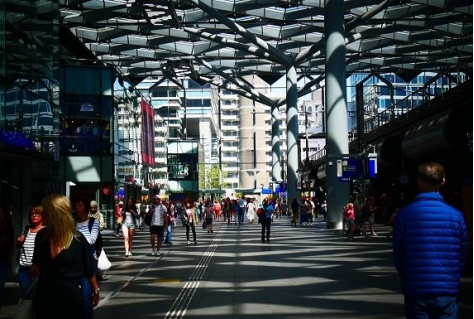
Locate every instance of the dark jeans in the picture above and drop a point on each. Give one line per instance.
(227, 216)
(241, 216)
(4, 269)
(24, 279)
(266, 222)
(431, 307)
(87, 299)
(193, 230)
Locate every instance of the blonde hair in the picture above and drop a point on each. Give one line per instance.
(350, 206)
(57, 216)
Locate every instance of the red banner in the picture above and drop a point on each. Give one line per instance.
(148, 134)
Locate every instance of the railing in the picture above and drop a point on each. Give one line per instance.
(409, 103)
(412, 101)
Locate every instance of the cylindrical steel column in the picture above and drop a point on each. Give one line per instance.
(292, 133)
(336, 124)
(276, 145)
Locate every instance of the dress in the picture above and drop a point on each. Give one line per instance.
(251, 212)
(58, 292)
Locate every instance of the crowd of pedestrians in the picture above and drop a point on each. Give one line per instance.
(58, 250)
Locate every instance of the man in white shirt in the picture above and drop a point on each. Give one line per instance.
(157, 225)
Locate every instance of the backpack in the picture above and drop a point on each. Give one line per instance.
(148, 219)
(98, 245)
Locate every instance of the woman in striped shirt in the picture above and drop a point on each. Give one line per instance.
(91, 233)
(26, 243)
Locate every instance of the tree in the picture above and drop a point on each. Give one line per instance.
(212, 178)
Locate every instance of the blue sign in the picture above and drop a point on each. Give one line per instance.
(266, 190)
(344, 179)
(350, 168)
(372, 167)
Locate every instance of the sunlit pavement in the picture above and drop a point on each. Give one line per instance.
(302, 272)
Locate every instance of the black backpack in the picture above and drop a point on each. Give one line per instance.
(98, 243)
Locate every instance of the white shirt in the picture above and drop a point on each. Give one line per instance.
(158, 217)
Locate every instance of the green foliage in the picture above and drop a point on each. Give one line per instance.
(212, 178)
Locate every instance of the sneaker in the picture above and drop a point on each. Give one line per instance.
(195, 243)
(127, 254)
(130, 253)
(158, 253)
(153, 252)
(189, 242)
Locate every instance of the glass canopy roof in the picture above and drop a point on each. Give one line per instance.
(202, 39)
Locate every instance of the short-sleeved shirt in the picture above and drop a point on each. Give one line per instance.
(158, 217)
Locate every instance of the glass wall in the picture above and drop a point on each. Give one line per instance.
(29, 104)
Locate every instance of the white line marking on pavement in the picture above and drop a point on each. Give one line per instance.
(112, 294)
(180, 305)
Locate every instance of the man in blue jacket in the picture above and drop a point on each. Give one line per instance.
(429, 249)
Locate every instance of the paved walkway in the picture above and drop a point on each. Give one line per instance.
(303, 272)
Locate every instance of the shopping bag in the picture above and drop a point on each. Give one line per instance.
(24, 308)
(103, 264)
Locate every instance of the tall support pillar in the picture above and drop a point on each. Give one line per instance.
(292, 133)
(337, 142)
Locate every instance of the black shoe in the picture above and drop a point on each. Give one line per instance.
(195, 242)
(263, 240)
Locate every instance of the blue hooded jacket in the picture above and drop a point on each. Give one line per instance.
(429, 246)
